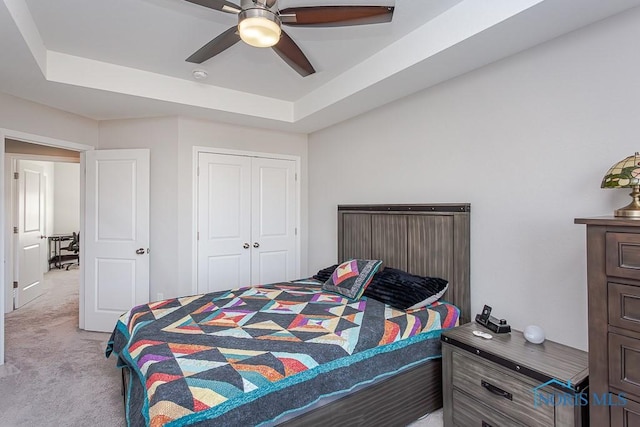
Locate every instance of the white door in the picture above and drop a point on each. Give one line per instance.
(247, 213)
(224, 222)
(30, 232)
(273, 229)
(115, 247)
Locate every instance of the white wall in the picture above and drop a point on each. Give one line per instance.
(66, 198)
(171, 141)
(50, 200)
(49, 195)
(526, 141)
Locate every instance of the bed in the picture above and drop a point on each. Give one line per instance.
(294, 354)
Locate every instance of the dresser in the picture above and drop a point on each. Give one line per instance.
(613, 283)
(507, 381)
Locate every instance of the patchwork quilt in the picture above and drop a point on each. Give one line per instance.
(251, 356)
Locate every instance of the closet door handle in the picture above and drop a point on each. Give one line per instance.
(256, 245)
(246, 246)
(140, 251)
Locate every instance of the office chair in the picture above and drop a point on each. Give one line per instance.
(74, 246)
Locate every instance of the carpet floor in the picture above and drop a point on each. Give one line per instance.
(56, 374)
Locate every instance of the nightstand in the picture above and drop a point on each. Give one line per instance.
(507, 381)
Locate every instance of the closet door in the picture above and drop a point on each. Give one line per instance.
(224, 222)
(273, 245)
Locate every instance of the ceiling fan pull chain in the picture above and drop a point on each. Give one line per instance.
(264, 3)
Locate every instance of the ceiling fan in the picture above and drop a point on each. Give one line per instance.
(260, 21)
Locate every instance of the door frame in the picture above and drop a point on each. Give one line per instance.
(194, 210)
(11, 199)
(38, 140)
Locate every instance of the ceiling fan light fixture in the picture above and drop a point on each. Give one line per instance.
(259, 27)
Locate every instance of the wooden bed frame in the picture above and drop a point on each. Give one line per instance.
(428, 240)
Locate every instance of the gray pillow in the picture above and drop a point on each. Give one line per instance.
(352, 277)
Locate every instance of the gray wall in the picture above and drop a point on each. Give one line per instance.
(171, 141)
(20, 115)
(25, 116)
(526, 141)
(160, 135)
(201, 133)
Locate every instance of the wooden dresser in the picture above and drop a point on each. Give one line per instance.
(506, 381)
(613, 280)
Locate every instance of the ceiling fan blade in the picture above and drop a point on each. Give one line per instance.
(215, 46)
(334, 16)
(289, 51)
(221, 5)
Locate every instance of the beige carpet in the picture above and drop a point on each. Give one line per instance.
(57, 375)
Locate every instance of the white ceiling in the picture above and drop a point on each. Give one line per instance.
(126, 58)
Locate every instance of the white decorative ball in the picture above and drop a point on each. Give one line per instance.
(534, 334)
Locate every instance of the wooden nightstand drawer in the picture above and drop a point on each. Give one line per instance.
(510, 394)
(624, 306)
(624, 358)
(469, 412)
(627, 415)
(509, 381)
(623, 255)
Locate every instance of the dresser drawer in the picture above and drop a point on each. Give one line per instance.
(500, 389)
(468, 412)
(624, 306)
(623, 255)
(624, 363)
(627, 415)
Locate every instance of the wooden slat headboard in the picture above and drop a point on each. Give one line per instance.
(428, 240)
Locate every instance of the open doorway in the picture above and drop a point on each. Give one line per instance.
(43, 211)
(30, 145)
(119, 189)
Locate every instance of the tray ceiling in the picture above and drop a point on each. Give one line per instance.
(126, 58)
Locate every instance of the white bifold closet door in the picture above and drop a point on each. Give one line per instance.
(246, 221)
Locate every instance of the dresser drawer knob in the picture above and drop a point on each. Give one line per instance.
(496, 390)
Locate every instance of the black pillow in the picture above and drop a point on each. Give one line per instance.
(404, 290)
(324, 274)
(398, 288)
